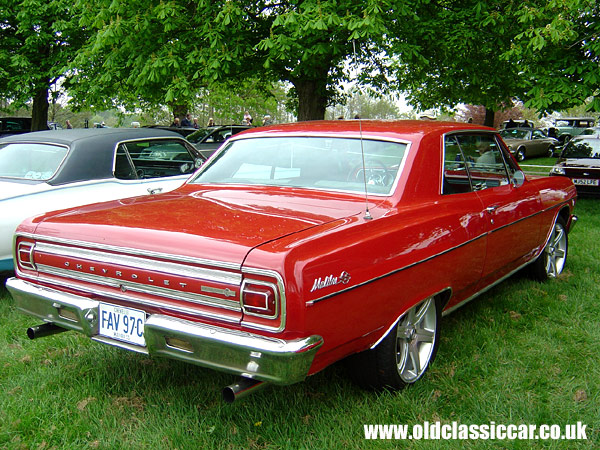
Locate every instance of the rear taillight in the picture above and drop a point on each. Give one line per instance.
(25, 255)
(260, 299)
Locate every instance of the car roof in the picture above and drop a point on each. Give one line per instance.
(398, 129)
(575, 118)
(91, 153)
(108, 135)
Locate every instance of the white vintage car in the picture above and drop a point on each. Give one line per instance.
(49, 170)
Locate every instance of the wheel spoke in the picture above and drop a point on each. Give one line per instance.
(401, 355)
(415, 358)
(422, 312)
(425, 335)
(557, 236)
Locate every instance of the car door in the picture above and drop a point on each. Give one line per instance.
(539, 143)
(511, 212)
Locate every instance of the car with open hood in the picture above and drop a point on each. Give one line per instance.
(299, 245)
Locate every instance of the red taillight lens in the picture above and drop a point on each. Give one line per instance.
(260, 299)
(25, 255)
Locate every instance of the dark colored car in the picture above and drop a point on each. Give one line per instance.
(209, 139)
(528, 142)
(19, 125)
(184, 131)
(14, 125)
(580, 161)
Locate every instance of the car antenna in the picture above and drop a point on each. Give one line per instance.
(367, 215)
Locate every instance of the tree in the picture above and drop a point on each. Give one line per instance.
(166, 51)
(452, 53)
(559, 50)
(38, 38)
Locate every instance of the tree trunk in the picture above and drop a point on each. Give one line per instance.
(179, 110)
(39, 112)
(490, 114)
(312, 98)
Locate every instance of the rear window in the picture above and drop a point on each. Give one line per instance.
(309, 162)
(30, 161)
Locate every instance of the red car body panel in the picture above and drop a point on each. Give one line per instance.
(345, 277)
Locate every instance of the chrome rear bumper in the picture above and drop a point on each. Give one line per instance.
(249, 355)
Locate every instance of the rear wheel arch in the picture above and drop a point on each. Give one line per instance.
(406, 350)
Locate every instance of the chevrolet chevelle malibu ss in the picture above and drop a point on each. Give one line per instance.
(298, 245)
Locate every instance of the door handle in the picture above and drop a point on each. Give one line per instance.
(153, 191)
(491, 209)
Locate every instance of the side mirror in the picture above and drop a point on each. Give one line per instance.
(518, 178)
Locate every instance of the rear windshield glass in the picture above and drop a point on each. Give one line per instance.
(308, 162)
(30, 161)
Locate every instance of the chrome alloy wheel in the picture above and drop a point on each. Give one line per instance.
(415, 340)
(556, 251)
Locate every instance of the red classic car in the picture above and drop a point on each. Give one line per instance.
(298, 245)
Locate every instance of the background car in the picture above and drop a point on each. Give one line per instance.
(569, 127)
(528, 142)
(183, 131)
(18, 125)
(50, 170)
(580, 161)
(207, 140)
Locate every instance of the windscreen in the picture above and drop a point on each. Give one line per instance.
(582, 148)
(308, 162)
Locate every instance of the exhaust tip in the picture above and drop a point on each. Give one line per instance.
(244, 387)
(45, 329)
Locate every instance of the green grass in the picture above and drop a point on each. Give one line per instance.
(537, 166)
(524, 352)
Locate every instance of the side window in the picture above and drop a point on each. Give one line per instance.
(153, 159)
(124, 169)
(473, 160)
(456, 178)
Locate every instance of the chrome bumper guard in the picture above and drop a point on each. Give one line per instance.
(249, 355)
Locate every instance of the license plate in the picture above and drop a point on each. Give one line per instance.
(123, 324)
(585, 182)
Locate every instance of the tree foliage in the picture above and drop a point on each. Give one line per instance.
(167, 50)
(38, 38)
(558, 45)
(455, 55)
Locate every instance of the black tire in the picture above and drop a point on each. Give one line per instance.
(551, 262)
(406, 352)
(520, 154)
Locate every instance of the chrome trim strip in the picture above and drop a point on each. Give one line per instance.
(395, 271)
(145, 302)
(141, 263)
(136, 287)
(132, 251)
(485, 289)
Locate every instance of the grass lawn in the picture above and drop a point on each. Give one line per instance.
(523, 353)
